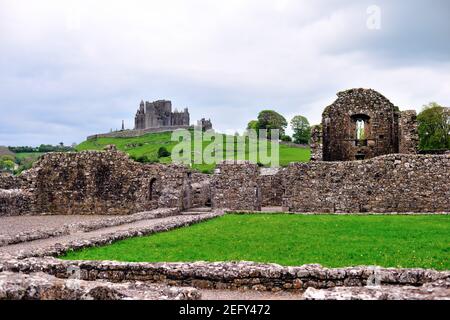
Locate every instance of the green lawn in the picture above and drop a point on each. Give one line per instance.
(333, 241)
(150, 143)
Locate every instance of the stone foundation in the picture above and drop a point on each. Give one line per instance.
(228, 275)
(41, 286)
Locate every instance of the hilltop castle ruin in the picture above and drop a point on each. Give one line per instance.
(158, 114)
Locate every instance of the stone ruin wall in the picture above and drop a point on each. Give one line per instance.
(391, 183)
(138, 132)
(271, 183)
(235, 186)
(201, 189)
(9, 181)
(409, 134)
(339, 126)
(96, 182)
(316, 144)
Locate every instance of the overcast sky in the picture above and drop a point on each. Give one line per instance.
(69, 69)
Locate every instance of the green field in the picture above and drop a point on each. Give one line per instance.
(29, 155)
(333, 241)
(149, 144)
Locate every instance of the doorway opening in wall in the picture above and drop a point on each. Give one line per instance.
(360, 156)
(151, 189)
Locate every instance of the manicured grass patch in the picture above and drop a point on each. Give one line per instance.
(333, 241)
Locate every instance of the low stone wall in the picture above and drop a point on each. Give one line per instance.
(15, 202)
(104, 182)
(70, 228)
(391, 183)
(228, 275)
(235, 186)
(136, 133)
(41, 286)
(62, 246)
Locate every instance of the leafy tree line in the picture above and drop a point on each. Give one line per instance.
(270, 119)
(42, 148)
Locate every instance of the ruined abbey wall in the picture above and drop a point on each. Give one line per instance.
(235, 186)
(272, 186)
(98, 182)
(9, 181)
(391, 183)
(377, 133)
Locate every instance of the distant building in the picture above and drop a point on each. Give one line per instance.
(159, 114)
(156, 116)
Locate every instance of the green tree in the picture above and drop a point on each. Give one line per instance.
(270, 119)
(302, 129)
(7, 163)
(254, 124)
(434, 127)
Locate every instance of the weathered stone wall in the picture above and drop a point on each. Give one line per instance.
(235, 186)
(272, 187)
(15, 202)
(104, 182)
(340, 126)
(409, 134)
(201, 189)
(392, 183)
(316, 143)
(228, 275)
(8, 181)
(137, 132)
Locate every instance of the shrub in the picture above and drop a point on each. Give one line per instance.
(286, 138)
(163, 152)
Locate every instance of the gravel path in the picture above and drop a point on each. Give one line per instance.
(11, 226)
(47, 243)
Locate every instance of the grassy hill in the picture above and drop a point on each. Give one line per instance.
(149, 144)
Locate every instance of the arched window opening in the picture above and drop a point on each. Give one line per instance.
(360, 129)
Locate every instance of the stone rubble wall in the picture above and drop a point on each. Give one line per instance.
(228, 275)
(14, 202)
(339, 126)
(201, 189)
(409, 134)
(316, 143)
(439, 290)
(138, 132)
(102, 182)
(9, 181)
(391, 183)
(41, 286)
(235, 186)
(272, 188)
